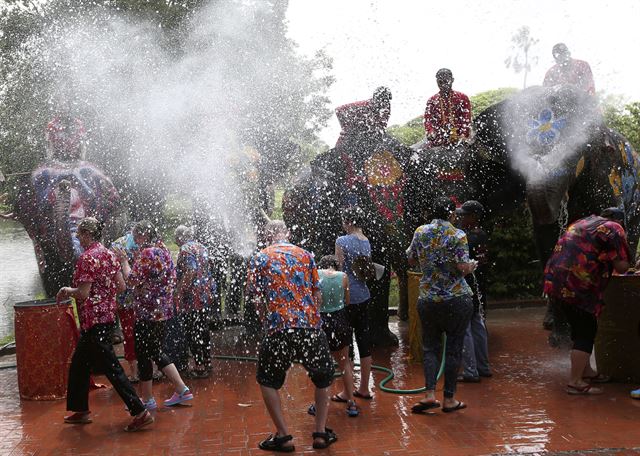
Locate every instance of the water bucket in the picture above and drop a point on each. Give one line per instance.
(617, 344)
(45, 340)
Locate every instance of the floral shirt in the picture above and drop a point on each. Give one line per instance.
(193, 257)
(582, 262)
(98, 266)
(285, 276)
(153, 278)
(448, 119)
(439, 247)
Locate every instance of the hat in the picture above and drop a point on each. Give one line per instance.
(613, 213)
(471, 207)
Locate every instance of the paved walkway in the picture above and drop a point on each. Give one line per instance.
(522, 409)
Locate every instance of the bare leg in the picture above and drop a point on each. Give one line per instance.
(146, 390)
(271, 399)
(365, 375)
(342, 357)
(579, 362)
(174, 377)
(322, 409)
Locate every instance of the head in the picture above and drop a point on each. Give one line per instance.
(443, 208)
(145, 233)
(328, 262)
(470, 213)
(276, 231)
(614, 214)
(381, 102)
(89, 231)
(352, 217)
(444, 78)
(561, 53)
(183, 234)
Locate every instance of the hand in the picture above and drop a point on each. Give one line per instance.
(121, 254)
(474, 265)
(63, 294)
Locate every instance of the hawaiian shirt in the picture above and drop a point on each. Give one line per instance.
(285, 277)
(193, 257)
(439, 247)
(99, 266)
(576, 73)
(447, 118)
(126, 243)
(582, 262)
(153, 278)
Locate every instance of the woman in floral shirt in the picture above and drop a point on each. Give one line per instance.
(152, 278)
(97, 279)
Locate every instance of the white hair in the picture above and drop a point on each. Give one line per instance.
(183, 233)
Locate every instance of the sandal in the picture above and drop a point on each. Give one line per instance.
(337, 398)
(598, 378)
(328, 436)
(585, 390)
(275, 443)
(312, 410)
(459, 406)
(352, 409)
(422, 407)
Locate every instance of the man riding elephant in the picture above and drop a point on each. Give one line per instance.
(57, 195)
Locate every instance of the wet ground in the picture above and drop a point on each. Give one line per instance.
(522, 409)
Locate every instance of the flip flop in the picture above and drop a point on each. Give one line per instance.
(586, 390)
(367, 397)
(421, 407)
(337, 398)
(459, 406)
(599, 378)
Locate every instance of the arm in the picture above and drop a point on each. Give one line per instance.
(340, 256)
(467, 268)
(345, 286)
(465, 116)
(621, 266)
(79, 294)
(428, 118)
(120, 283)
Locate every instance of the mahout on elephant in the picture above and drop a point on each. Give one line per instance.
(546, 146)
(51, 200)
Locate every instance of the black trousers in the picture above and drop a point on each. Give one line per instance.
(95, 351)
(198, 336)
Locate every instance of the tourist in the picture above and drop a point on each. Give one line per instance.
(194, 298)
(568, 71)
(334, 286)
(475, 353)
(152, 278)
(447, 117)
(97, 280)
(367, 116)
(283, 285)
(445, 302)
(353, 253)
(126, 313)
(575, 278)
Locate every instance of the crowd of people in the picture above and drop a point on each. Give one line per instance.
(311, 313)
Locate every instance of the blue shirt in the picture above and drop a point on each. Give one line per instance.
(353, 248)
(439, 247)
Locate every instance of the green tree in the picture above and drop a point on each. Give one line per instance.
(624, 118)
(521, 59)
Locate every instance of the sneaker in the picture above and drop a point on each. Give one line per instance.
(352, 409)
(635, 394)
(151, 404)
(139, 422)
(179, 398)
(78, 418)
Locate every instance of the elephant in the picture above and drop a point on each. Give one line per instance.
(546, 146)
(51, 200)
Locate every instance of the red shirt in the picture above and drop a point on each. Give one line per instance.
(98, 266)
(582, 262)
(358, 117)
(447, 118)
(575, 72)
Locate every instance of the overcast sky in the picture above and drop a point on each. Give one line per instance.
(402, 44)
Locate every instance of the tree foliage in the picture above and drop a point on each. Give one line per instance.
(521, 59)
(625, 118)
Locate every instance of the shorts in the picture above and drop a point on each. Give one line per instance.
(336, 327)
(307, 346)
(584, 327)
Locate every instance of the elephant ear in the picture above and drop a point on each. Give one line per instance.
(363, 268)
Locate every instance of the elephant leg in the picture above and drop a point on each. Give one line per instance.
(381, 336)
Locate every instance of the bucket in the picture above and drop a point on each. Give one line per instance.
(618, 340)
(45, 340)
(415, 327)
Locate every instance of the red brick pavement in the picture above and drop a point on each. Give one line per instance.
(522, 409)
